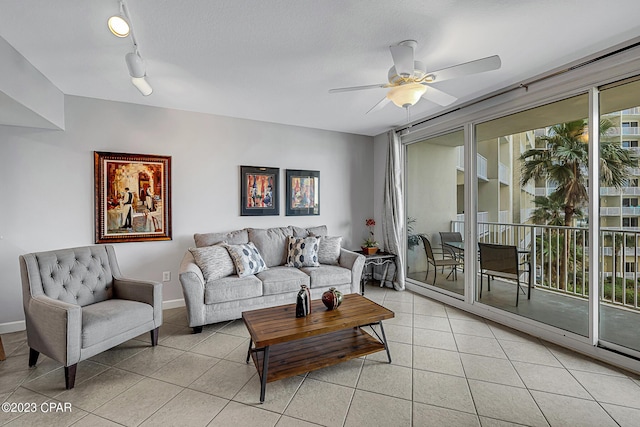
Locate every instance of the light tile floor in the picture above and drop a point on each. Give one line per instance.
(449, 368)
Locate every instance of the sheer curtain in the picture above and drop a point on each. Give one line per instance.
(393, 219)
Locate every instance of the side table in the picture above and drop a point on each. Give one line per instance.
(371, 261)
(2, 355)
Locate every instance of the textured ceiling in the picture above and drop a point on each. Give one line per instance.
(275, 60)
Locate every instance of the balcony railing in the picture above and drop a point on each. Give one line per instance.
(624, 131)
(482, 167)
(503, 174)
(560, 262)
(481, 164)
(615, 211)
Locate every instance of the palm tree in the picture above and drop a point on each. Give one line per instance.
(549, 210)
(565, 161)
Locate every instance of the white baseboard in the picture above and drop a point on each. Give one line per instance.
(175, 303)
(7, 328)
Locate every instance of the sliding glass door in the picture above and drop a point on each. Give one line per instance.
(533, 196)
(435, 205)
(619, 302)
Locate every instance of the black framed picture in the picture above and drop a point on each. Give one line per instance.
(259, 191)
(303, 192)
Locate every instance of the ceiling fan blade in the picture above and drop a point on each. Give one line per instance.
(384, 101)
(473, 67)
(439, 97)
(403, 57)
(349, 89)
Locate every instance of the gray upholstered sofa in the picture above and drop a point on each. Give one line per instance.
(224, 295)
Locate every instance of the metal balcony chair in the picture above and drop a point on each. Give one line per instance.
(441, 262)
(452, 236)
(503, 261)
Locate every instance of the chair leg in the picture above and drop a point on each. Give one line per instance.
(197, 329)
(481, 276)
(517, 291)
(529, 284)
(2, 355)
(70, 376)
(154, 337)
(33, 357)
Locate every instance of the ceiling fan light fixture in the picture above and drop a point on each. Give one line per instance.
(406, 95)
(118, 26)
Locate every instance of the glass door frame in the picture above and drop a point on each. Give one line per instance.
(586, 79)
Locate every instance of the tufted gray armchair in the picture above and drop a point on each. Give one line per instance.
(76, 305)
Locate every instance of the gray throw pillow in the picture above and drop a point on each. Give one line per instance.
(329, 250)
(214, 261)
(246, 258)
(303, 252)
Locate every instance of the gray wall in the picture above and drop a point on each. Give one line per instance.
(47, 197)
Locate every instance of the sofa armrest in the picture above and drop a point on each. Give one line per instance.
(54, 328)
(192, 281)
(354, 262)
(144, 291)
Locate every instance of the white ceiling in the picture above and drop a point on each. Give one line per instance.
(275, 60)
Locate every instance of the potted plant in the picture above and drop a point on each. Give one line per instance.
(370, 246)
(413, 240)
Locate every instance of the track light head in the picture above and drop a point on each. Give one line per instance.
(119, 26)
(136, 65)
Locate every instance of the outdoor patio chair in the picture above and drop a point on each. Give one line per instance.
(502, 261)
(441, 262)
(452, 236)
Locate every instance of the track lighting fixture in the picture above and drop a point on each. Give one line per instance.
(138, 73)
(120, 26)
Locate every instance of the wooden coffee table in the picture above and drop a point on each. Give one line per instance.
(283, 346)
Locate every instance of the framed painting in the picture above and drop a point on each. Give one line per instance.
(259, 191)
(132, 197)
(303, 192)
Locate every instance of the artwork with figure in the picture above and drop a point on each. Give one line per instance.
(259, 191)
(303, 192)
(132, 193)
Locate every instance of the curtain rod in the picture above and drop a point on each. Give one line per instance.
(521, 86)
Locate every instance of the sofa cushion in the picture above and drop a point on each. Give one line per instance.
(281, 279)
(232, 288)
(327, 275)
(303, 252)
(106, 319)
(329, 250)
(272, 244)
(236, 237)
(320, 230)
(214, 261)
(246, 258)
(299, 231)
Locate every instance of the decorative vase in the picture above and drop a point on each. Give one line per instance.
(303, 302)
(332, 298)
(369, 250)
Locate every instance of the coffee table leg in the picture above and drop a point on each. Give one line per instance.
(265, 366)
(249, 351)
(384, 341)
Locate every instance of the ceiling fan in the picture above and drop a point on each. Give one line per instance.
(409, 80)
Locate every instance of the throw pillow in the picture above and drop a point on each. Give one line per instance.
(214, 261)
(303, 252)
(329, 250)
(246, 258)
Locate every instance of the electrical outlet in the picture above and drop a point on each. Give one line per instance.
(166, 276)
